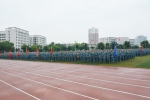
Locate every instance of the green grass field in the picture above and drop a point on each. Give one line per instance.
(138, 62)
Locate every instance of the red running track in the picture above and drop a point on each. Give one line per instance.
(27, 80)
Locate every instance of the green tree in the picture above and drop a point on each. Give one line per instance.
(46, 49)
(145, 44)
(6, 46)
(23, 47)
(107, 46)
(100, 46)
(120, 46)
(33, 48)
(127, 44)
(135, 47)
(112, 45)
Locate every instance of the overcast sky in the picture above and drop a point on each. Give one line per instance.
(68, 21)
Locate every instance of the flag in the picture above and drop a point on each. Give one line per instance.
(27, 51)
(18, 53)
(51, 50)
(115, 50)
(4, 52)
(141, 49)
(37, 51)
(10, 54)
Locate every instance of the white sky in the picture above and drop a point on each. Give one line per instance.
(68, 21)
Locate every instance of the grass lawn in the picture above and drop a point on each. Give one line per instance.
(138, 62)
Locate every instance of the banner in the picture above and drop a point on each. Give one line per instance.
(115, 50)
(18, 53)
(37, 52)
(27, 51)
(51, 50)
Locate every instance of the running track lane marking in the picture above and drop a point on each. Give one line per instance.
(90, 70)
(104, 75)
(82, 77)
(110, 76)
(78, 93)
(20, 90)
(78, 71)
(51, 86)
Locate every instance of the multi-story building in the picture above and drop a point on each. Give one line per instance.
(121, 40)
(139, 39)
(108, 40)
(132, 41)
(15, 35)
(93, 37)
(37, 39)
(2, 36)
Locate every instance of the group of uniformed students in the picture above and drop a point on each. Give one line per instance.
(96, 56)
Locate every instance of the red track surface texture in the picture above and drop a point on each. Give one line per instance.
(26, 80)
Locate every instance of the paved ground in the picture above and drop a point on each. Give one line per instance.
(26, 80)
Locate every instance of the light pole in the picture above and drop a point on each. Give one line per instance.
(75, 45)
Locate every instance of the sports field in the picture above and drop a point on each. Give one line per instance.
(27, 80)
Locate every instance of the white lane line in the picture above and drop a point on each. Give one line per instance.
(20, 90)
(78, 93)
(105, 76)
(50, 86)
(87, 78)
(93, 71)
(80, 69)
(84, 66)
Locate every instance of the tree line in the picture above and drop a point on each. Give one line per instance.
(8, 46)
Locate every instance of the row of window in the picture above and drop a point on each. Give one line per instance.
(2, 34)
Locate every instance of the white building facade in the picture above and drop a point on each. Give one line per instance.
(15, 35)
(2, 36)
(139, 39)
(93, 37)
(37, 39)
(108, 40)
(132, 41)
(121, 40)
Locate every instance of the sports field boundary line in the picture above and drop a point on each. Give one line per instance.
(20, 90)
(75, 92)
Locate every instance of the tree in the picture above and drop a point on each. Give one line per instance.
(112, 45)
(45, 49)
(107, 46)
(127, 44)
(145, 44)
(6, 46)
(135, 47)
(33, 48)
(100, 46)
(120, 46)
(23, 47)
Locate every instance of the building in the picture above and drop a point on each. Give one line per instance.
(132, 41)
(2, 36)
(139, 39)
(121, 40)
(15, 35)
(93, 37)
(37, 39)
(108, 40)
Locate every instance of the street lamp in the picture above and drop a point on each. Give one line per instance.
(75, 45)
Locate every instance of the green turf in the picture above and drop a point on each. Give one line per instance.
(138, 62)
